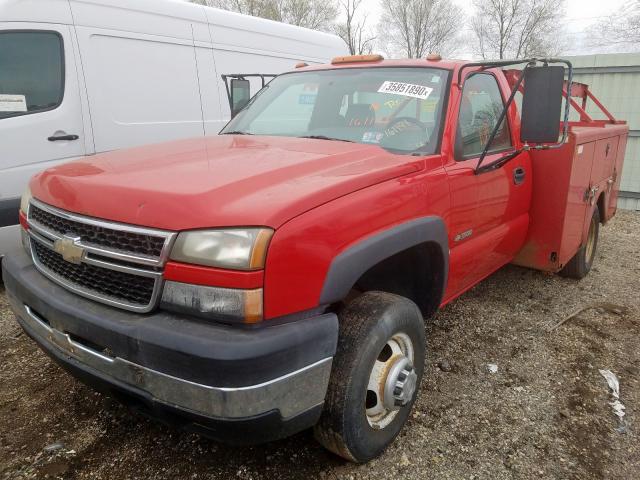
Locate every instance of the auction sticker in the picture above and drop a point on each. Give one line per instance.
(13, 103)
(406, 89)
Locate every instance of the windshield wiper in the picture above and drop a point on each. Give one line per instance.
(324, 137)
(236, 132)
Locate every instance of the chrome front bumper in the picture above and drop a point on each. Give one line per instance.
(291, 394)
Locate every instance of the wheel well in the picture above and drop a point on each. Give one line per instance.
(417, 273)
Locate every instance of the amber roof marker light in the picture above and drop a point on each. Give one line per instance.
(301, 65)
(434, 57)
(356, 59)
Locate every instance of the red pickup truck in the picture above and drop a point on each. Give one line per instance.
(277, 276)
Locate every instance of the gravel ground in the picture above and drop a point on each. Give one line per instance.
(545, 413)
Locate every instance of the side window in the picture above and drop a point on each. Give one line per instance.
(480, 109)
(31, 72)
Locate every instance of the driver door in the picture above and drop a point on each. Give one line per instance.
(38, 67)
(489, 217)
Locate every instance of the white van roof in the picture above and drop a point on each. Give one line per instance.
(40, 11)
(175, 18)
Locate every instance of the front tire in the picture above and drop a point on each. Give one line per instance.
(375, 376)
(580, 265)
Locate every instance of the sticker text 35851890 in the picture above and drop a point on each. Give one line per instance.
(405, 89)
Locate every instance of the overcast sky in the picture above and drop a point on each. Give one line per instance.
(580, 14)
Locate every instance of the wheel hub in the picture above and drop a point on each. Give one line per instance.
(392, 381)
(400, 384)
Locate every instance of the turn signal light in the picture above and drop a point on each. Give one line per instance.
(23, 220)
(226, 305)
(356, 59)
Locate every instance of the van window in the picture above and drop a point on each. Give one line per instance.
(480, 109)
(31, 72)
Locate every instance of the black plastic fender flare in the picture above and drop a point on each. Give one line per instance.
(352, 263)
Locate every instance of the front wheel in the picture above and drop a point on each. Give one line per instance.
(580, 265)
(375, 376)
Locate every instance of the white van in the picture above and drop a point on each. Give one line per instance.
(78, 77)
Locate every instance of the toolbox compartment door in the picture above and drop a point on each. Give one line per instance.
(578, 211)
(604, 171)
(614, 189)
(562, 202)
(604, 159)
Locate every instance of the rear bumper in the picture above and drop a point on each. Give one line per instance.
(219, 380)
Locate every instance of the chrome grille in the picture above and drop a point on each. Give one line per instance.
(118, 286)
(137, 243)
(119, 265)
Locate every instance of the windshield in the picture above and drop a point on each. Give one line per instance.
(399, 109)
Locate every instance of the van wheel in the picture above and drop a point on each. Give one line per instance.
(375, 376)
(580, 265)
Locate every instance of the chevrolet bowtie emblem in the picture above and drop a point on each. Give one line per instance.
(66, 246)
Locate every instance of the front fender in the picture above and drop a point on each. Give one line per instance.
(352, 263)
(314, 258)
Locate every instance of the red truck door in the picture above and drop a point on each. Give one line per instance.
(489, 217)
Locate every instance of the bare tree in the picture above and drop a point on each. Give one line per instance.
(620, 30)
(315, 14)
(517, 28)
(415, 28)
(353, 30)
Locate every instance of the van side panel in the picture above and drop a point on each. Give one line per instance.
(49, 11)
(134, 94)
(241, 32)
(153, 17)
(214, 101)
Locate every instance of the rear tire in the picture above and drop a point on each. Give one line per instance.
(580, 265)
(375, 376)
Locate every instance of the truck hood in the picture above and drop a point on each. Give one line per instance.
(219, 181)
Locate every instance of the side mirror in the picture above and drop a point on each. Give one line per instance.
(542, 104)
(240, 95)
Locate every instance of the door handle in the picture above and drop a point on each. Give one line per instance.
(59, 138)
(519, 175)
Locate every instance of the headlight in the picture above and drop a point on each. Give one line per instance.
(239, 249)
(24, 201)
